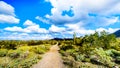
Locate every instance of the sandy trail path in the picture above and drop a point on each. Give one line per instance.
(51, 59)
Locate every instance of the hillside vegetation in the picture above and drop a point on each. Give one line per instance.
(98, 50)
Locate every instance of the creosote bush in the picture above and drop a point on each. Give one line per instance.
(102, 57)
(38, 50)
(14, 53)
(3, 52)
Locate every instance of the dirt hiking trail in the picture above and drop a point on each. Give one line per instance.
(51, 59)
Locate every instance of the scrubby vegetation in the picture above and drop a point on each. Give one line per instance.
(98, 50)
(23, 56)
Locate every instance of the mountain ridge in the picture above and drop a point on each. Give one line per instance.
(117, 33)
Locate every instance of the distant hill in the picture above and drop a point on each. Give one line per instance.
(57, 39)
(117, 33)
(62, 39)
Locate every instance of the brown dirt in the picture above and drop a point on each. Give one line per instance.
(51, 59)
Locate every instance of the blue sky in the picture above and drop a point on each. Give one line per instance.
(46, 19)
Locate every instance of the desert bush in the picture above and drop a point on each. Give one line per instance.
(69, 61)
(80, 57)
(46, 46)
(116, 56)
(118, 59)
(38, 50)
(14, 53)
(14, 63)
(66, 47)
(21, 62)
(102, 57)
(11, 44)
(110, 52)
(4, 61)
(116, 53)
(3, 52)
(27, 63)
(24, 48)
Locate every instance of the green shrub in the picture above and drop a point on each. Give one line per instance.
(80, 57)
(84, 66)
(20, 62)
(66, 47)
(14, 63)
(9, 44)
(69, 61)
(86, 60)
(27, 63)
(116, 53)
(3, 52)
(118, 58)
(24, 48)
(38, 50)
(101, 57)
(14, 53)
(109, 52)
(46, 46)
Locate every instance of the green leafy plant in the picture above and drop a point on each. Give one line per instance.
(102, 57)
(3, 52)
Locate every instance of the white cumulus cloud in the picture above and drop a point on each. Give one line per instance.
(54, 28)
(8, 19)
(30, 28)
(6, 8)
(81, 31)
(7, 14)
(103, 9)
(29, 23)
(42, 19)
(15, 28)
(24, 36)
